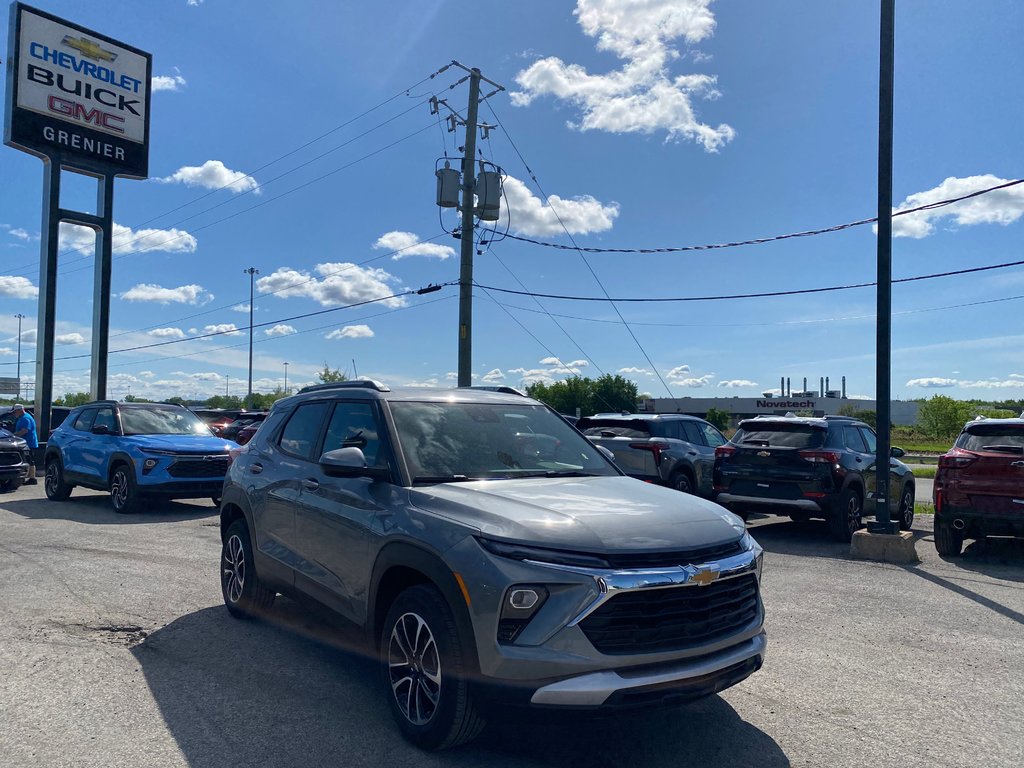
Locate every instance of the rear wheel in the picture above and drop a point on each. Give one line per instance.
(846, 516)
(906, 511)
(948, 540)
(426, 671)
(53, 483)
(682, 481)
(124, 495)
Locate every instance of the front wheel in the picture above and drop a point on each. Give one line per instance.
(906, 512)
(11, 484)
(244, 594)
(845, 519)
(124, 495)
(56, 488)
(216, 501)
(425, 671)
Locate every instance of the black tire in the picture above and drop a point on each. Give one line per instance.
(427, 680)
(799, 517)
(216, 501)
(682, 481)
(124, 494)
(244, 593)
(53, 481)
(948, 541)
(10, 485)
(847, 515)
(905, 513)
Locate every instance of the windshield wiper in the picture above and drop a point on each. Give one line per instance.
(557, 473)
(427, 479)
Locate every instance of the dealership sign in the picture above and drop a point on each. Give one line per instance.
(77, 96)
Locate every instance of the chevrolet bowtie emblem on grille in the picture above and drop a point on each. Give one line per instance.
(88, 48)
(764, 454)
(703, 576)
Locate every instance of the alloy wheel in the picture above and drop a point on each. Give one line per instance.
(907, 509)
(234, 568)
(119, 489)
(414, 669)
(51, 479)
(853, 513)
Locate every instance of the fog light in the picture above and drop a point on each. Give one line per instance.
(523, 599)
(149, 463)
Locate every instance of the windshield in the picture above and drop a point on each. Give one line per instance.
(780, 435)
(993, 437)
(162, 421)
(451, 441)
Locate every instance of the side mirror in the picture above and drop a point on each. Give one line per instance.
(101, 429)
(350, 462)
(897, 453)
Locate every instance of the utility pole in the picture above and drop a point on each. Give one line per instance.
(252, 272)
(20, 318)
(286, 379)
(227, 381)
(883, 339)
(467, 235)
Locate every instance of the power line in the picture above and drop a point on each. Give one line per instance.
(762, 240)
(766, 294)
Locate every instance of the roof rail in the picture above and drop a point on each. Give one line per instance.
(348, 384)
(837, 417)
(502, 388)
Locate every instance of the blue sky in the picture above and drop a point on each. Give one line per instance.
(649, 124)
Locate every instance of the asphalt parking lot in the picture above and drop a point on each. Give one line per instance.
(115, 650)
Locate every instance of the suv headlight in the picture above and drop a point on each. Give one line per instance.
(543, 554)
(750, 545)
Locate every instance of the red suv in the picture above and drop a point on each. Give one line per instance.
(979, 486)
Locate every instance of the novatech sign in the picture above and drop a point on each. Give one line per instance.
(789, 404)
(76, 95)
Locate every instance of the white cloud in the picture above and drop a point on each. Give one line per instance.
(212, 174)
(15, 287)
(532, 375)
(281, 329)
(527, 214)
(426, 384)
(1015, 381)
(1016, 376)
(20, 233)
(342, 283)
(351, 332)
(678, 372)
(69, 338)
(241, 308)
(494, 376)
(1003, 206)
(408, 244)
(168, 83)
(578, 364)
(224, 329)
(128, 240)
(550, 361)
(632, 371)
(7, 351)
(931, 382)
(642, 96)
(167, 333)
(452, 376)
(992, 384)
(183, 294)
(697, 381)
(29, 337)
(147, 374)
(735, 383)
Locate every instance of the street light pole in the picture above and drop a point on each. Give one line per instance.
(286, 379)
(252, 272)
(20, 318)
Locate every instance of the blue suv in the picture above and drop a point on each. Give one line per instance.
(136, 450)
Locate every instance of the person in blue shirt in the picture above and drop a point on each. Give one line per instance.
(25, 427)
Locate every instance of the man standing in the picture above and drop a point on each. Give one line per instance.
(25, 427)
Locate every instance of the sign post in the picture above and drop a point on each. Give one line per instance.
(78, 100)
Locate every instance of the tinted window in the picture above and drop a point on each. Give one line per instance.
(84, 421)
(1009, 439)
(712, 436)
(670, 429)
(105, 418)
(781, 435)
(853, 439)
(354, 425)
(300, 434)
(869, 438)
(691, 432)
(614, 428)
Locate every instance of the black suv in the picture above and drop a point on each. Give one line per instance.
(808, 467)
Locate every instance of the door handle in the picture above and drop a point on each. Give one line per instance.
(1017, 463)
(310, 484)
(256, 468)
(859, 459)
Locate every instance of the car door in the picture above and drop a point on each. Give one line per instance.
(709, 439)
(862, 457)
(336, 516)
(96, 450)
(73, 440)
(894, 479)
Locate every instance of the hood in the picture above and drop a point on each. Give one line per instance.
(588, 514)
(180, 443)
(8, 440)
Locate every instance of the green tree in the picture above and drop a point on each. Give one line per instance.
(224, 401)
(944, 417)
(718, 417)
(609, 392)
(330, 376)
(614, 393)
(74, 399)
(868, 417)
(176, 400)
(261, 401)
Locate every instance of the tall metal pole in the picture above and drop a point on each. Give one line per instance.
(286, 379)
(101, 288)
(467, 235)
(883, 341)
(20, 318)
(252, 272)
(45, 323)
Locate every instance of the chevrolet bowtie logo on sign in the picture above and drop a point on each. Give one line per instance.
(88, 48)
(703, 577)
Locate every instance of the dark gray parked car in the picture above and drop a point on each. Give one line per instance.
(667, 449)
(490, 553)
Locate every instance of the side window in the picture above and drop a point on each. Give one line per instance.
(84, 421)
(853, 440)
(105, 418)
(669, 429)
(355, 425)
(299, 436)
(691, 432)
(712, 436)
(869, 438)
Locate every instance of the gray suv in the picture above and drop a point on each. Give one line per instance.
(490, 553)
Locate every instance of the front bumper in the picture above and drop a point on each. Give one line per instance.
(183, 489)
(687, 678)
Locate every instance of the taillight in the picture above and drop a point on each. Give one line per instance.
(724, 451)
(956, 459)
(820, 457)
(655, 448)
